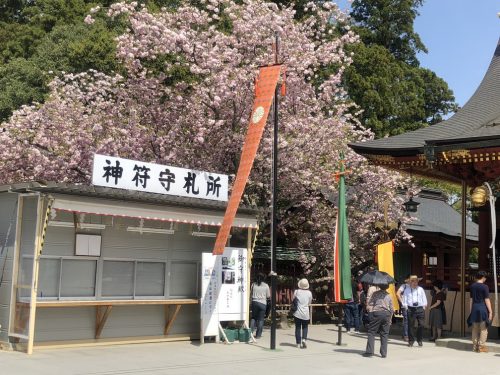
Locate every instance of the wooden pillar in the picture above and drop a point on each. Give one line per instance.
(440, 262)
(34, 281)
(484, 238)
(462, 258)
(416, 260)
(15, 263)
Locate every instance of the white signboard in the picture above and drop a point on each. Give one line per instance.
(224, 289)
(128, 174)
(210, 288)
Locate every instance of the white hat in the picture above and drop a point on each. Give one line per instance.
(303, 284)
(414, 277)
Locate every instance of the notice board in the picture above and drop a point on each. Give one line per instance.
(224, 294)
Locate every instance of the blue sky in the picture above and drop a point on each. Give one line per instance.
(460, 36)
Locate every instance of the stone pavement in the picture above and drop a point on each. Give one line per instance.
(322, 356)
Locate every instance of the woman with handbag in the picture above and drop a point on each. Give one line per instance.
(260, 295)
(302, 298)
(436, 313)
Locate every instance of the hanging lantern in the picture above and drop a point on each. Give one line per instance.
(479, 196)
(411, 205)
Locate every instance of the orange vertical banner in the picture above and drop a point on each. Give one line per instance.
(265, 87)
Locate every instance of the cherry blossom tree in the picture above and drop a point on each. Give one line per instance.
(186, 98)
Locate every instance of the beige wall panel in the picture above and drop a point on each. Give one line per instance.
(124, 321)
(65, 324)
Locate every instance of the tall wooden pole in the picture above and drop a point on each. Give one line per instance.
(274, 203)
(462, 258)
(13, 318)
(34, 275)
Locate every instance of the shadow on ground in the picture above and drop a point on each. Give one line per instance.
(350, 351)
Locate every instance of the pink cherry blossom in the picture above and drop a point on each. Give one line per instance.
(186, 99)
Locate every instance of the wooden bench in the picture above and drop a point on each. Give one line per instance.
(104, 307)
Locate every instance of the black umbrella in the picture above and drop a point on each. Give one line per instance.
(377, 278)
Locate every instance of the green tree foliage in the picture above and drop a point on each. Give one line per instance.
(40, 39)
(11, 10)
(385, 80)
(77, 48)
(18, 40)
(21, 82)
(395, 97)
(389, 23)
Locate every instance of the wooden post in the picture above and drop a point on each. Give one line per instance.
(170, 320)
(34, 275)
(15, 263)
(484, 237)
(101, 318)
(462, 259)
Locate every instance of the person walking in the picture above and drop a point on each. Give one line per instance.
(261, 295)
(301, 315)
(436, 313)
(404, 310)
(481, 313)
(368, 308)
(415, 300)
(381, 311)
(351, 312)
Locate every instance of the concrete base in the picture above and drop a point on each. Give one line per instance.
(283, 322)
(5, 346)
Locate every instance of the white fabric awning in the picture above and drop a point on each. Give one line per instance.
(148, 212)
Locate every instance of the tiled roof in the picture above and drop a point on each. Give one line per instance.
(435, 215)
(121, 194)
(478, 119)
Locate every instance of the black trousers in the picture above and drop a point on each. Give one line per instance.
(380, 323)
(415, 314)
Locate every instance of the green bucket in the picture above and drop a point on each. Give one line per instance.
(231, 334)
(244, 335)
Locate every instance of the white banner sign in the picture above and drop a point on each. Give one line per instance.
(224, 294)
(128, 174)
(210, 288)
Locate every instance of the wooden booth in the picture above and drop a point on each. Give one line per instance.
(91, 265)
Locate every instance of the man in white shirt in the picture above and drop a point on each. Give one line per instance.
(415, 301)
